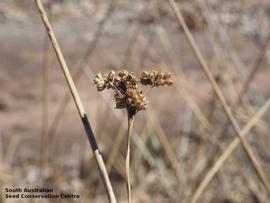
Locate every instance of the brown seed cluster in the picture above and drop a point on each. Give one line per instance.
(156, 78)
(125, 86)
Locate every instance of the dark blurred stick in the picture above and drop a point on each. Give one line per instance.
(149, 43)
(134, 38)
(79, 70)
(257, 166)
(45, 105)
(77, 102)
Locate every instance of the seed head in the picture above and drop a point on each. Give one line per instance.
(156, 78)
(136, 100)
(125, 87)
(100, 82)
(126, 93)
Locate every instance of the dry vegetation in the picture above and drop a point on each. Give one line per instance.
(203, 139)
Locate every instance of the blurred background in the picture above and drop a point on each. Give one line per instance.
(181, 135)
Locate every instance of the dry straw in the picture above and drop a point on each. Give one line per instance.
(256, 164)
(45, 105)
(77, 102)
(128, 96)
(228, 151)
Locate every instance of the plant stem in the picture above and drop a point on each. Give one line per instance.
(130, 126)
(45, 105)
(45, 108)
(220, 96)
(78, 103)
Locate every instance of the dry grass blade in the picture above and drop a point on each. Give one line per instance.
(247, 80)
(115, 147)
(45, 132)
(258, 168)
(12, 147)
(165, 144)
(45, 105)
(77, 102)
(172, 56)
(227, 152)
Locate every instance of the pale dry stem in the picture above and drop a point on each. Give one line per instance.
(128, 184)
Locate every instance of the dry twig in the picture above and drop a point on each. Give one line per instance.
(77, 102)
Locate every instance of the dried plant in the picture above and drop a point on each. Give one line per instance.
(77, 101)
(222, 100)
(128, 96)
(156, 78)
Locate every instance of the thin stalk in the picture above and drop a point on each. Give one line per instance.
(78, 103)
(45, 108)
(247, 148)
(45, 105)
(228, 151)
(130, 126)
